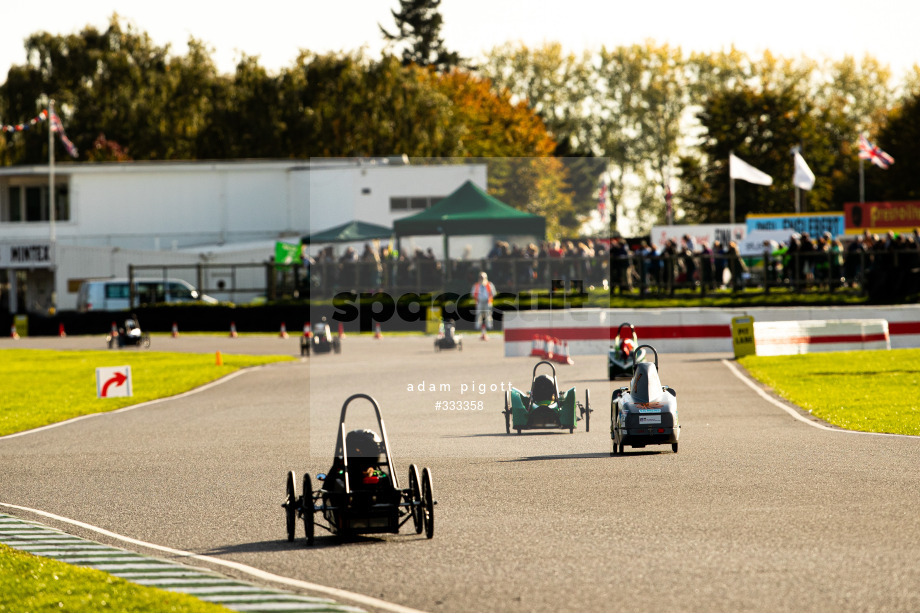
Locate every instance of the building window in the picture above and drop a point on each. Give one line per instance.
(30, 204)
(415, 203)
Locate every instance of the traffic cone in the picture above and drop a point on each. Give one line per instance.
(538, 348)
(233, 334)
(550, 348)
(341, 331)
(563, 356)
(13, 332)
(377, 333)
(483, 336)
(283, 334)
(175, 330)
(61, 332)
(218, 359)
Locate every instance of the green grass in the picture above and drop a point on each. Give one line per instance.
(41, 387)
(874, 391)
(30, 583)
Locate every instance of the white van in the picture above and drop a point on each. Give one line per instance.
(114, 294)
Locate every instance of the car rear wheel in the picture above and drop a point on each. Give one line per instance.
(587, 410)
(415, 493)
(307, 508)
(674, 447)
(290, 503)
(508, 413)
(428, 503)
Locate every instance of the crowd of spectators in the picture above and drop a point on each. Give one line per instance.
(802, 262)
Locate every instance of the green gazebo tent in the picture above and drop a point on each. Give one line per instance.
(347, 233)
(471, 211)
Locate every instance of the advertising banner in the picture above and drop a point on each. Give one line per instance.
(710, 233)
(880, 217)
(815, 224)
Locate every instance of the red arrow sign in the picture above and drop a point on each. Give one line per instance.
(118, 379)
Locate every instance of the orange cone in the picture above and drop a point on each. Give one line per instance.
(283, 334)
(218, 359)
(175, 330)
(233, 334)
(377, 333)
(13, 332)
(562, 356)
(550, 348)
(61, 332)
(341, 331)
(538, 348)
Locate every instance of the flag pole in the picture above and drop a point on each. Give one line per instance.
(731, 200)
(862, 182)
(731, 190)
(51, 168)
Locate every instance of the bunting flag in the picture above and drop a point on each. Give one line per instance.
(56, 126)
(739, 169)
(803, 177)
(868, 151)
(25, 125)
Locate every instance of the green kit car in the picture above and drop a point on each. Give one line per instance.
(545, 406)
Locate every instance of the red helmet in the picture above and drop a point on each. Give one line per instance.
(627, 346)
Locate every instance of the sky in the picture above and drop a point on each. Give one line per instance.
(275, 30)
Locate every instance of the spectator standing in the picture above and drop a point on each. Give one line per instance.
(483, 293)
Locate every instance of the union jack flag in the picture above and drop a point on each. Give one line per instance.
(868, 151)
(57, 126)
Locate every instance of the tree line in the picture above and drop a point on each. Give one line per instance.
(553, 125)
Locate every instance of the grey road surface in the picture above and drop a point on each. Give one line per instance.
(757, 512)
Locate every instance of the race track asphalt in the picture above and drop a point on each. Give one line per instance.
(757, 512)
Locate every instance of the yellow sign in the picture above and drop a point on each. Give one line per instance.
(743, 336)
(433, 321)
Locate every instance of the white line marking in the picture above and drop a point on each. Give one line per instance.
(795, 414)
(335, 593)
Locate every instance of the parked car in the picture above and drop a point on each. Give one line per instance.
(115, 294)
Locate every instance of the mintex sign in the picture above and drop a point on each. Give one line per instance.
(26, 255)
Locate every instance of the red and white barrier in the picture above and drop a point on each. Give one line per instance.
(808, 336)
(591, 331)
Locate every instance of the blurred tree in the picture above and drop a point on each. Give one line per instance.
(899, 138)
(418, 24)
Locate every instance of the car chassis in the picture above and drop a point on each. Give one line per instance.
(346, 508)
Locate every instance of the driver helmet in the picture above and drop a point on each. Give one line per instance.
(628, 346)
(363, 443)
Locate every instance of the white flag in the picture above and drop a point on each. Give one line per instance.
(739, 169)
(803, 177)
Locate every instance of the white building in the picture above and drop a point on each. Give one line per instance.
(111, 215)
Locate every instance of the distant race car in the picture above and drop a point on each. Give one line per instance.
(448, 338)
(361, 493)
(620, 357)
(320, 340)
(130, 334)
(545, 405)
(645, 413)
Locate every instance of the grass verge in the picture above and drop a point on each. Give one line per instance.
(873, 391)
(30, 583)
(41, 387)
